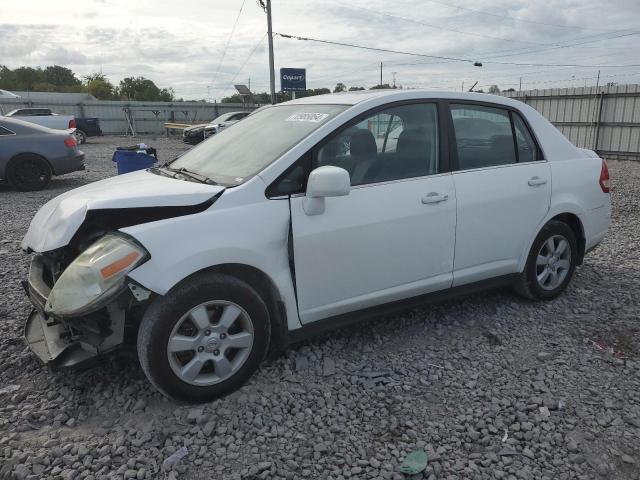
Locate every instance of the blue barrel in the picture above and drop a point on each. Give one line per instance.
(128, 161)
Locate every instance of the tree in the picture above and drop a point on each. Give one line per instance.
(25, 78)
(167, 95)
(377, 87)
(355, 89)
(143, 89)
(494, 90)
(340, 87)
(99, 86)
(60, 76)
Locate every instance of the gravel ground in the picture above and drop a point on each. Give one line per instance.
(491, 386)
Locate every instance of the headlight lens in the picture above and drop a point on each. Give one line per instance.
(94, 276)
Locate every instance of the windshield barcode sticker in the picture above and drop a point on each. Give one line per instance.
(306, 117)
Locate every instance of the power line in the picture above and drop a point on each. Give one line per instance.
(246, 60)
(525, 50)
(253, 50)
(565, 46)
(442, 57)
(420, 22)
(233, 29)
(482, 12)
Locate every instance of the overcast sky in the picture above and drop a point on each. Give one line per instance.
(180, 44)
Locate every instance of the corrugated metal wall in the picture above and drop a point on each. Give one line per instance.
(148, 117)
(605, 119)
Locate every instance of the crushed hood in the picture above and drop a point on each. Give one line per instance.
(57, 221)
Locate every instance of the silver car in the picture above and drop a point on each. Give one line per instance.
(31, 154)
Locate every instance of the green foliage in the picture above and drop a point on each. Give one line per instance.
(377, 87)
(143, 89)
(100, 87)
(60, 76)
(356, 89)
(51, 79)
(340, 87)
(61, 79)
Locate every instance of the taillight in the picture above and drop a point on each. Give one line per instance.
(604, 177)
(70, 142)
(72, 123)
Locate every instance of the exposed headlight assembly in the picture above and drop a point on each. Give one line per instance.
(95, 276)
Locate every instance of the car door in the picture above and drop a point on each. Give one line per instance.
(503, 188)
(392, 237)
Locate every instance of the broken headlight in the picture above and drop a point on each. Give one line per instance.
(95, 276)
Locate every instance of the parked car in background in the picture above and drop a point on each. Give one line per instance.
(44, 117)
(197, 133)
(30, 154)
(272, 230)
(85, 127)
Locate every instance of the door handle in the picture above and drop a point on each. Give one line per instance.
(434, 197)
(535, 181)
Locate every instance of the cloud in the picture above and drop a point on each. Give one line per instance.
(182, 45)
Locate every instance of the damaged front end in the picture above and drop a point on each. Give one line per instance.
(84, 303)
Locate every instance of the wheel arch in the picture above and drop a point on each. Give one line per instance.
(29, 154)
(268, 291)
(576, 226)
(568, 215)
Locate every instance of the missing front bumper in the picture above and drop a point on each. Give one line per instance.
(50, 341)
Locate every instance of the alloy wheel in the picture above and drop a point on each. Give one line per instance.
(210, 343)
(553, 262)
(30, 172)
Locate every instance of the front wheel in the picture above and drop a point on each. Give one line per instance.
(551, 263)
(205, 338)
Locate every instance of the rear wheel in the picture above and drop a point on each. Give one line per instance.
(81, 137)
(29, 172)
(205, 338)
(551, 263)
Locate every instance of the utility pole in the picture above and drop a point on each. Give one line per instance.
(272, 75)
(520, 84)
(598, 81)
(394, 78)
(381, 74)
(463, 85)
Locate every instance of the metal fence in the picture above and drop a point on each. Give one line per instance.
(605, 119)
(118, 117)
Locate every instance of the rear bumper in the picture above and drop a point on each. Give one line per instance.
(72, 163)
(596, 224)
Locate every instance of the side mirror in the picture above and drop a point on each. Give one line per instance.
(327, 181)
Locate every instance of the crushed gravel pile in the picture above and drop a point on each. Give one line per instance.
(490, 386)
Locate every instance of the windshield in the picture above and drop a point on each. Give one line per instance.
(235, 154)
(222, 117)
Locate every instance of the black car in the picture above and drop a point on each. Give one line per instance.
(197, 133)
(87, 127)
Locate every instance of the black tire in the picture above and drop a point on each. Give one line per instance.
(527, 284)
(81, 137)
(165, 312)
(28, 172)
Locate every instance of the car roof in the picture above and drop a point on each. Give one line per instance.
(391, 95)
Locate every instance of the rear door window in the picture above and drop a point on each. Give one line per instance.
(527, 149)
(483, 136)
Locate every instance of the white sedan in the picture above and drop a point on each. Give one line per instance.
(303, 216)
